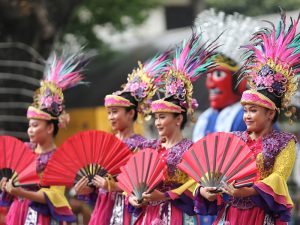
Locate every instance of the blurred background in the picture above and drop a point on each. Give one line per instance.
(120, 33)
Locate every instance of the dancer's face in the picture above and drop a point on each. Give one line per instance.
(39, 130)
(257, 118)
(119, 118)
(167, 123)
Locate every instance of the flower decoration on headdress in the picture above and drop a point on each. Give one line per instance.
(60, 73)
(141, 83)
(273, 61)
(191, 60)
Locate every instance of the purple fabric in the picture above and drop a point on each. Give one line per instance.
(5, 199)
(89, 199)
(174, 157)
(267, 203)
(54, 215)
(174, 154)
(203, 206)
(135, 211)
(272, 143)
(185, 204)
(42, 160)
(134, 141)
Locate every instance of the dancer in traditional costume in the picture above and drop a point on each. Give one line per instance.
(272, 65)
(123, 107)
(172, 202)
(225, 113)
(46, 206)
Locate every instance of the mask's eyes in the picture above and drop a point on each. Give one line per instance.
(218, 75)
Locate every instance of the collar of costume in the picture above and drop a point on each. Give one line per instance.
(272, 144)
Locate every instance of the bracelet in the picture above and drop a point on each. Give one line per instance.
(111, 184)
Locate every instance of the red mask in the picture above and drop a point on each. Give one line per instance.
(220, 88)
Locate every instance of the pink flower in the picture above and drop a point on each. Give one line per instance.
(268, 81)
(257, 80)
(47, 101)
(278, 77)
(172, 88)
(133, 86)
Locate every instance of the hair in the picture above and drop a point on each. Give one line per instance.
(276, 100)
(55, 126)
(184, 114)
(129, 97)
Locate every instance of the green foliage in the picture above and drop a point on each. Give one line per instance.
(253, 7)
(118, 13)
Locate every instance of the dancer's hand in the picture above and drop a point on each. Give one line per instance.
(134, 202)
(154, 196)
(9, 187)
(82, 187)
(99, 182)
(3, 183)
(237, 192)
(208, 193)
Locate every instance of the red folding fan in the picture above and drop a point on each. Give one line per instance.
(17, 162)
(220, 157)
(86, 153)
(143, 172)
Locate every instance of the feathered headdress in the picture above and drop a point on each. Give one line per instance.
(61, 72)
(191, 60)
(141, 84)
(273, 65)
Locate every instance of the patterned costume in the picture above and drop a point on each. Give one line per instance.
(177, 185)
(60, 73)
(272, 65)
(190, 60)
(110, 206)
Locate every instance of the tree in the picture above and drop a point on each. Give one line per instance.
(28, 31)
(253, 7)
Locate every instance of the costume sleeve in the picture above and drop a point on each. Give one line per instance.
(57, 206)
(6, 199)
(273, 191)
(202, 205)
(182, 197)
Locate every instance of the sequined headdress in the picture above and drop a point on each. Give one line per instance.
(190, 60)
(272, 65)
(140, 84)
(236, 30)
(61, 72)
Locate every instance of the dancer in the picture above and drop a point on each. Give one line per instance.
(225, 112)
(272, 65)
(123, 107)
(171, 202)
(46, 205)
